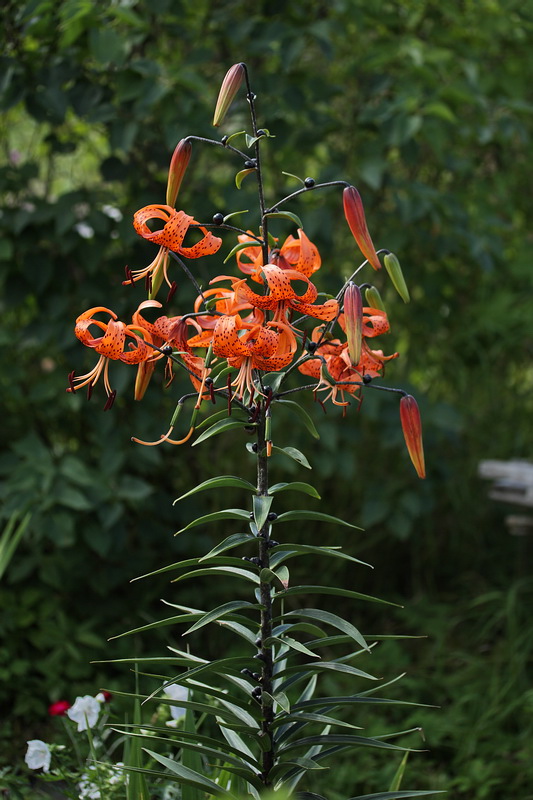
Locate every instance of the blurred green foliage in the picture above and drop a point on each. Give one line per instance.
(426, 108)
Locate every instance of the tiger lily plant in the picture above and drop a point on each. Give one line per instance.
(246, 346)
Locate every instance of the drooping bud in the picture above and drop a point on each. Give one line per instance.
(353, 320)
(230, 86)
(412, 431)
(373, 298)
(355, 217)
(178, 164)
(392, 265)
(145, 370)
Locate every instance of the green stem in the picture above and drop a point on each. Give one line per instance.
(265, 653)
(259, 173)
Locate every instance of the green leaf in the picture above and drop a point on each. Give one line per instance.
(286, 215)
(236, 572)
(293, 644)
(341, 738)
(296, 486)
(326, 666)
(261, 506)
(334, 590)
(220, 427)
(300, 716)
(398, 776)
(232, 541)
(296, 178)
(234, 214)
(295, 454)
(240, 176)
(268, 575)
(302, 414)
(189, 776)
(227, 513)
(330, 619)
(220, 611)
(215, 483)
(272, 380)
(396, 795)
(234, 136)
(289, 516)
(309, 549)
(241, 246)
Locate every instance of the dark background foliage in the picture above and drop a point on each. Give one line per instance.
(426, 107)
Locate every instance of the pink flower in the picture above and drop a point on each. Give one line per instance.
(58, 709)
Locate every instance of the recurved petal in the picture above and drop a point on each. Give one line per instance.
(207, 246)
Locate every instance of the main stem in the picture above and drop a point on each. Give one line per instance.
(265, 652)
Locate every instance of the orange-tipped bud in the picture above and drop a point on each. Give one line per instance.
(392, 265)
(353, 320)
(230, 86)
(145, 370)
(355, 217)
(412, 431)
(178, 165)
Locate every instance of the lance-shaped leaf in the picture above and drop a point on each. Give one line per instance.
(227, 513)
(353, 319)
(334, 590)
(295, 486)
(286, 215)
(178, 165)
(261, 506)
(215, 483)
(289, 550)
(240, 176)
(217, 613)
(397, 795)
(392, 265)
(302, 414)
(295, 454)
(230, 86)
(355, 217)
(289, 516)
(228, 544)
(330, 619)
(412, 431)
(189, 776)
(220, 427)
(240, 246)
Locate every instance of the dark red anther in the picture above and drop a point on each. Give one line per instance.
(148, 283)
(229, 394)
(110, 400)
(323, 406)
(255, 413)
(129, 275)
(252, 393)
(72, 387)
(172, 291)
(90, 387)
(268, 398)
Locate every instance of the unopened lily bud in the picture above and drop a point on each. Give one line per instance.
(353, 320)
(392, 265)
(355, 217)
(145, 370)
(412, 431)
(178, 165)
(373, 298)
(230, 86)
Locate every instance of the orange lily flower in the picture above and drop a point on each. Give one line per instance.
(282, 297)
(110, 346)
(170, 237)
(299, 254)
(258, 347)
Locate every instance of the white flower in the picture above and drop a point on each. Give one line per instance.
(176, 692)
(88, 790)
(38, 755)
(84, 711)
